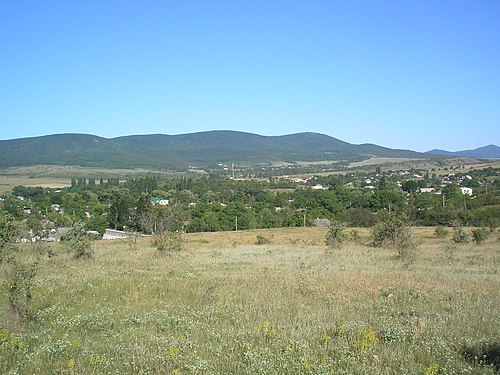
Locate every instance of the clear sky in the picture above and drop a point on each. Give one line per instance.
(417, 74)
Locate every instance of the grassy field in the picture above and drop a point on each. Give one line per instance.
(7, 183)
(225, 305)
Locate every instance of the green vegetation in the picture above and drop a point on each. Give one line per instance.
(480, 235)
(219, 204)
(178, 152)
(336, 234)
(286, 307)
(79, 242)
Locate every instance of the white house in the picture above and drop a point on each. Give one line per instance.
(427, 190)
(160, 201)
(466, 191)
(113, 234)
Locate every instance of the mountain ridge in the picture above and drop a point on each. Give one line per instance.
(488, 151)
(181, 151)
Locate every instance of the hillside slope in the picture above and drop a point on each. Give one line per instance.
(204, 149)
(490, 151)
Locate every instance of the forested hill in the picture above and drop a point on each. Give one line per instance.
(490, 151)
(204, 149)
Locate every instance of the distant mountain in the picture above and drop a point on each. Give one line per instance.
(204, 149)
(490, 151)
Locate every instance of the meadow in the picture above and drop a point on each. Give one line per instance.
(225, 305)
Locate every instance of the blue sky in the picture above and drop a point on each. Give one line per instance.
(402, 74)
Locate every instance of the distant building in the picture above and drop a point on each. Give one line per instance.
(427, 190)
(114, 234)
(159, 200)
(318, 187)
(56, 234)
(466, 191)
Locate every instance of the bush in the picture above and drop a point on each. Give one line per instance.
(459, 235)
(262, 240)
(8, 230)
(79, 242)
(480, 235)
(336, 234)
(359, 217)
(355, 236)
(392, 232)
(168, 242)
(441, 232)
(20, 285)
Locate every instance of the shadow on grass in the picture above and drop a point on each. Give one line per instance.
(483, 354)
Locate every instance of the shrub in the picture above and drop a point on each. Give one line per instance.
(168, 242)
(262, 240)
(392, 232)
(20, 285)
(441, 232)
(79, 242)
(8, 230)
(164, 223)
(480, 235)
(355, 236)
(459, 235)
(336, 234)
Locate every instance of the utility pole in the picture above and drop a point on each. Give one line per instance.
(236, 223)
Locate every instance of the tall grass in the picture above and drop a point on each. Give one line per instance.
(240, 308)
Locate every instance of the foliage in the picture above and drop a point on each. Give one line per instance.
(336, 234)
(8, 230)
(168, 242)
(364, 316)
(79, 242)
(262, 240)
(459, 234)
(441, 232)
(20, 285)
(359, 217)
(392, 232)
(164, 223)
(483, 354)
(480, 235)
(355, 236)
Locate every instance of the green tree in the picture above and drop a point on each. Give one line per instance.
(8, 231)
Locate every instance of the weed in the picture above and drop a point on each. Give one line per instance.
(392, 232)
(20, 286)
(441, 232)
(459, 235)
(480, 235)
(355, 236)
(262, 240)
(483, 354)
(79, 242)
(336, 234)
(168, 242)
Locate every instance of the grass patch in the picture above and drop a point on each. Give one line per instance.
(225, 305)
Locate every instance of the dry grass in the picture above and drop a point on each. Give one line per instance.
(227, 306)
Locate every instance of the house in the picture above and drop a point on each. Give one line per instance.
(427, 190)
(318, 187)
(466, 191)
(159, 200)
(56, 234)
(114, 234)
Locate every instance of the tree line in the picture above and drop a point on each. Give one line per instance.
(220, 204)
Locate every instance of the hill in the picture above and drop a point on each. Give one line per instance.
(490, 151)
(203, 149)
